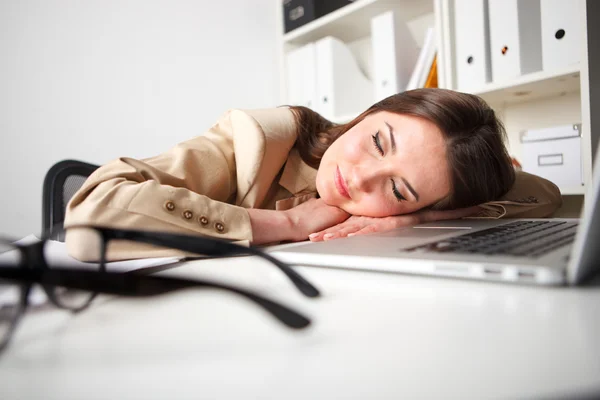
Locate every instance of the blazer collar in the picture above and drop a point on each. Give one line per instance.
(298, 177)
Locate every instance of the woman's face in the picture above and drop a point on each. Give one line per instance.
(387, 164)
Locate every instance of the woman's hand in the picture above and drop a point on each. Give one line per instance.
(312, 216)
(295, 224)
(357, 225)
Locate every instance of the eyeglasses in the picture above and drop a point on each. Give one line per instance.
(75, 288)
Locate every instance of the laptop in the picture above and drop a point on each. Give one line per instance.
(550, 251)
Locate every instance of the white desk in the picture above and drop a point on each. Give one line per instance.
(374, 336)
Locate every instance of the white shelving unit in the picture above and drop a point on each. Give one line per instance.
(528, 101)
(512, 100)
(352, 22)
(534, 86)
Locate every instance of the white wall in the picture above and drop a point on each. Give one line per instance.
(97, 79)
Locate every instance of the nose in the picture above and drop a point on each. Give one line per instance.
(364, 177)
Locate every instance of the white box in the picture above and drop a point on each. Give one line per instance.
(555, 154)
(343, 91)
(515, 38)
(395, 54)
(561, 33)
(301, 77)
(472, 35)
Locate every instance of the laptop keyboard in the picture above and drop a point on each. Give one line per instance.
(519, 238)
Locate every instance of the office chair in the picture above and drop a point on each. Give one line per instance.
(62, 180)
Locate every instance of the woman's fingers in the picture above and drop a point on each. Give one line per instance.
(367, 229)
(334, 232)
(342, 232)
(353, 225)
(356, 225)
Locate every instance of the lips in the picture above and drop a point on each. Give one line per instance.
(340, 184)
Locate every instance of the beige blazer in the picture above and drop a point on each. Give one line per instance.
(204, 185)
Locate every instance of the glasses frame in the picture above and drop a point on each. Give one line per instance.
(201, 245)
(33, 269)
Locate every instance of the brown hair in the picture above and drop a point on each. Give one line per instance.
(479, 162)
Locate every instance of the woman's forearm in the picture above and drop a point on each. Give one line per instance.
(270, 226)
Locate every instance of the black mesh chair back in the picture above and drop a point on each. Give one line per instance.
(60, 184)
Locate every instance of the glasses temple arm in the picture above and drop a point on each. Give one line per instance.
(215, 247)
(131, 285)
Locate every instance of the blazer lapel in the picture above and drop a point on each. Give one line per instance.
(299, 179)
(262, 141)
(297, 176)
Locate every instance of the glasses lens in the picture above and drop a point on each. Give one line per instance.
(10, 293)
(9, 254)
(88, 244)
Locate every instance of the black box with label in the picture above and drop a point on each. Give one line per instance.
(299, 12)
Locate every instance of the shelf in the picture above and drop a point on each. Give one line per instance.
(527, 87)
(532, 86)
(352, 22)
(571, 190)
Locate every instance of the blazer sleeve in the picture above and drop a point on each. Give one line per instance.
(530, 197)
(188, 189)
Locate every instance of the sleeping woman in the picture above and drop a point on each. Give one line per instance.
(288, 174)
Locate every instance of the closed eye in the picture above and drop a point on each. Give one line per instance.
(377, 143)
(397, 193)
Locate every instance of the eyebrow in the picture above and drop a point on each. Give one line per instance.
(392, 139)
(411, 189)
(393, 143)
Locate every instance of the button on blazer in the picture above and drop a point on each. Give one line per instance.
(205, 185)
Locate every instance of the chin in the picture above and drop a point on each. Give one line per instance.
(327, 199)
(348, 210)
(329, 195)
(323, 192)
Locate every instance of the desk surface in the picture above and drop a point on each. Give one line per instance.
(374, 335)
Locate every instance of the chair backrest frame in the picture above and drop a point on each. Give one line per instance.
(53, 202)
